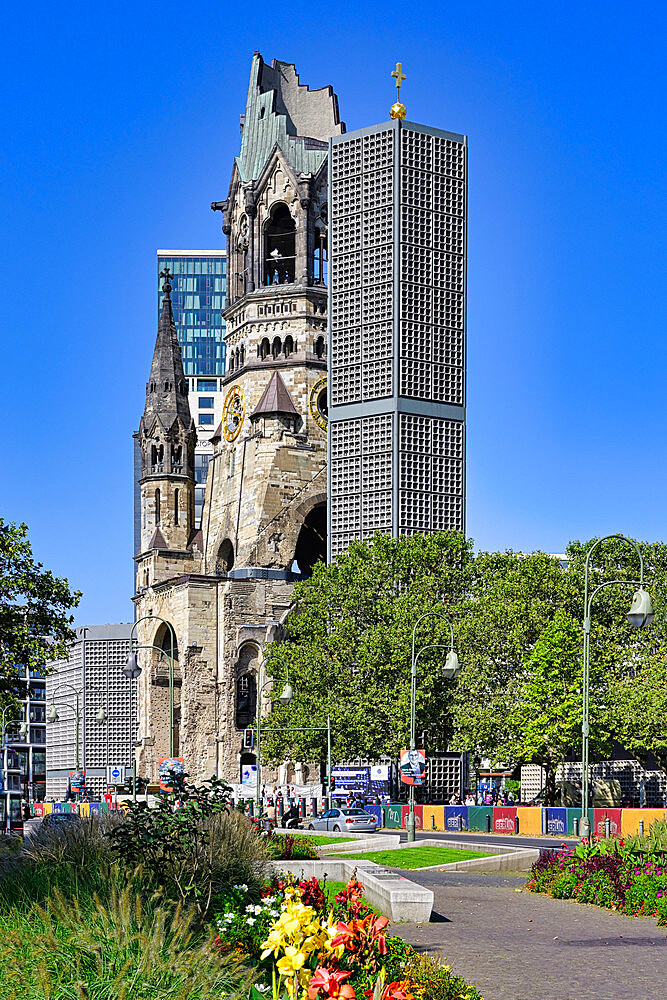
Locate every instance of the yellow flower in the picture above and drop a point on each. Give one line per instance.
(291, 961)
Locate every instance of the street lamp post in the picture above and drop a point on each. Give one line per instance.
(639, 615)
(23, 729)
(450, 669)
(132, 670)
(285, 699)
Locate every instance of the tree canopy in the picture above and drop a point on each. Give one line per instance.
(35, 624)
(517, 630)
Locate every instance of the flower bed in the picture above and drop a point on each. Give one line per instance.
(614, 874)
(305, 946)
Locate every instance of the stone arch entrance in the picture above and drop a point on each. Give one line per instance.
(311, 544)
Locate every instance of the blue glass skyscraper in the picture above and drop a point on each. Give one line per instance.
(198, 300)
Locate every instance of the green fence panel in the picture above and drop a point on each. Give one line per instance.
(477, 817)
(575, 813)
(392, 816)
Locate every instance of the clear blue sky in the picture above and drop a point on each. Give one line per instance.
(119, 125)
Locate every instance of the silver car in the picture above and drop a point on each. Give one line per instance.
(345, 821)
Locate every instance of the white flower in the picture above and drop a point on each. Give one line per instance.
(230, 915)
(261, 987)
(250, 920)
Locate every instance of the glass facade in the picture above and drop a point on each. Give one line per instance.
(198, 299)
(23, 770)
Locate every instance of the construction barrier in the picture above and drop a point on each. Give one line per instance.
(375, 811)
(556, 821)
(614, 817)
(530, 821)
(477, 817)
(433, 818)
(503, 819)
(392, 816)
(630, 819)
(452, 814)
(419, 817)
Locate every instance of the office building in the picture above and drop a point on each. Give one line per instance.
(198, 295)
(90, 679)
(397, 329)
(24, 757)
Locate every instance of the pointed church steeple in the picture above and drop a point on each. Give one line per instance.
(167, 388)
(167, 438)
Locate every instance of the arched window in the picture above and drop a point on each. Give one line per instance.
(157, 506)
(320, 347)
(176, 492)
(289, 346)
(277, 347)
(225, 558)
(320, 262)
(242, 354)
(264, 348)
(230, 363)
(279, 247)
(246, 700)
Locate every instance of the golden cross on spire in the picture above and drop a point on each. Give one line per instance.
(400, 77)
(398, 109)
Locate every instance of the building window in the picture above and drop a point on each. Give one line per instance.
(157, 506)
(245, 700)
(206, 402)
(205, 418)
(176, 492)
(201, 467)
(37, 735)
(38, 713)
(207, 385)
(280, 247)
(320, 268)
(320, 347)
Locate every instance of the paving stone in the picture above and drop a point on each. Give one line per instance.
(526, 946)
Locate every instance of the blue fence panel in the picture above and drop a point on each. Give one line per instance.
(375, 811)
(557, 821)
(452, 814)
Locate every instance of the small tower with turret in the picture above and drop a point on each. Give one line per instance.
(167, 440)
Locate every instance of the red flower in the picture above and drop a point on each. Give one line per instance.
(327, 982)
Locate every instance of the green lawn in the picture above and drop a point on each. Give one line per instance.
(325, 840)
(416, 857)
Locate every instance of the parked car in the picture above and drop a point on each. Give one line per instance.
(60, 821)
(345, 820)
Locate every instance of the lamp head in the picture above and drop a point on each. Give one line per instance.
(100, 715)
(452, 665)
(23, 728)
(287, 695)
(53, 714)
(132, 668)
(641, 610)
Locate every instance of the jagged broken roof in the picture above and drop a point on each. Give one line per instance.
(282, 111)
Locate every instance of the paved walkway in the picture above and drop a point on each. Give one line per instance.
(525, 946)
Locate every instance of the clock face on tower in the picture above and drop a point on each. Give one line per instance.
(318, 403)
(233, 411)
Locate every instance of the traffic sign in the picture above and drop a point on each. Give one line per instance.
(115, 775)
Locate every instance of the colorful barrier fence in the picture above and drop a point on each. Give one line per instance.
(533, 821)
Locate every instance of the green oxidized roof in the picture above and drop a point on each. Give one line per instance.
(282, 111)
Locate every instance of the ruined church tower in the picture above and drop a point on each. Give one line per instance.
(264, 519)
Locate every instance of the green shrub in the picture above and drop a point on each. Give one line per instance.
(653, 842)
(563, 885)
(433, 980)
(288, 847)
(115, 949)
(192, 848)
